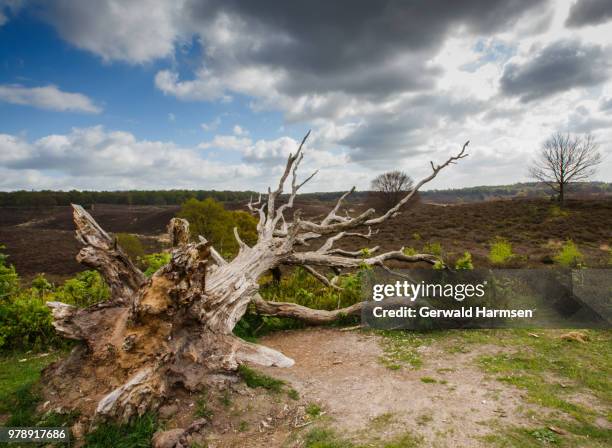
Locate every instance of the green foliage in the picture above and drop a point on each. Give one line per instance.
(202, 410)
(131, 245)
(464, 262)
(409, 251)
(293, 394)
(25, 322)
(153, 262)
(255, 379)
(210, 219)
(19, 372)
(9, 280)
(433, 249)
(302, 288)
(501, 251)
(313, 410)
(569, 256)
(557, 212)
(137, 434)
(87, 288)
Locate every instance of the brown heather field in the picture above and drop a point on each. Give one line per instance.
(42, 239)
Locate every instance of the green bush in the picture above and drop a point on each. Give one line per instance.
(9, 280)
(131, 245)
(302, 288)
(153, 262)
(569, 255)
(210, 219)
(433, 249)
(87, 288)
(464, 262)
(25, 322)
(501, 251)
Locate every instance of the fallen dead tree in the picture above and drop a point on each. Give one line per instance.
(174, 330)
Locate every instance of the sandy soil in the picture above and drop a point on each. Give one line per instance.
(341, 371)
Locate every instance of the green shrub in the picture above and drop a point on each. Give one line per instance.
(153, 262)
(302, 288)
(433, 249)
(87, 288)
(569, 256)
(131, 245)
(501, 251)
(210, 219)
(464, 262)
(25, 322)
(409, 251)
(557, 212)
(9, 280)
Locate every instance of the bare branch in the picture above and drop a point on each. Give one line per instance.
(316, 274)
(308, 315)
(333, 214)
(241, 244)
(273, 195)
(319, 259)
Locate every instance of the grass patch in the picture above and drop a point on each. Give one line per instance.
(401, 348)
(293, 394)
(202, 410)
(552, 371)
(137, 434)
(327, 438)
(313, 410)
(428, 380)
(255, 379)
(381, 421)
(18, 393)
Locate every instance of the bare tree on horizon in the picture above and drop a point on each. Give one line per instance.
(565, 158)
(389, 187)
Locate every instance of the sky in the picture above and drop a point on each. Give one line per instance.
(214, 94)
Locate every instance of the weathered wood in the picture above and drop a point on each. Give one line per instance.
(101, 252)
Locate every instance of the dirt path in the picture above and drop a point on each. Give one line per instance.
(342, 373)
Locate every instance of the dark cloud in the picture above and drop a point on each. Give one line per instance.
(589, 12)
(356, 46)
(403, 131)
(605, 104)
(559, 67)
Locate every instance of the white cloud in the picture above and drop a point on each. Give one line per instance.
(96, 158)
(47, 97)
(212, 125)
(237, 130)
(133, 31)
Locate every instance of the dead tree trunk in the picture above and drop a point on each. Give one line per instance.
(174, 330)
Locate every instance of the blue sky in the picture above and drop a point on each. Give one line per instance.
(215, 94)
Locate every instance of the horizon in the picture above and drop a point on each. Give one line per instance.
(422, 190)
(215, 95)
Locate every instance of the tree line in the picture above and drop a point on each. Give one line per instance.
(132, 197)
